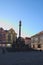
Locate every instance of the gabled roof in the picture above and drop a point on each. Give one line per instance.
(12, 30)
(1, 28)
(40, 33)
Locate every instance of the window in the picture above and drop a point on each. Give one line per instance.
(0, 40)
(36, 39)
(33, 46)
(3, 45)
(0, 34)
(41, 37)
(8, 45)
(4, 35)
(0, 44)
(39, 45)
(32, 40)
(9, 37)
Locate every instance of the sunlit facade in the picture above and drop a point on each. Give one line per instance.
(37, 41)
(7, 37)
(11, 37)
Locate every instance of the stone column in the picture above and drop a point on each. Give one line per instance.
(19, 28)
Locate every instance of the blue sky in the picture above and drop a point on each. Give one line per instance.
(30, 12)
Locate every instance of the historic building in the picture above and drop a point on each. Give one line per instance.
(7, 37)
(2, 37)
(11, 36)
(37, 41)
(28, 41)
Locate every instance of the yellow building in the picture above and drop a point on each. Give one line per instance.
(10, 37)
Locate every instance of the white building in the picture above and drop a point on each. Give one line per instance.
(37, 41)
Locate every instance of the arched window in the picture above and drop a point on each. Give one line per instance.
(39, 45)
(33, 46)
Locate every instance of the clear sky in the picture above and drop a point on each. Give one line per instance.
(30, 12)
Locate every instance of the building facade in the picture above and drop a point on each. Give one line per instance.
(7, 37)
(28, 41)
(37, 41)
(11, 37)
(2, 37)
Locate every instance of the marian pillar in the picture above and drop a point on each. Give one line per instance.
(19, 28)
